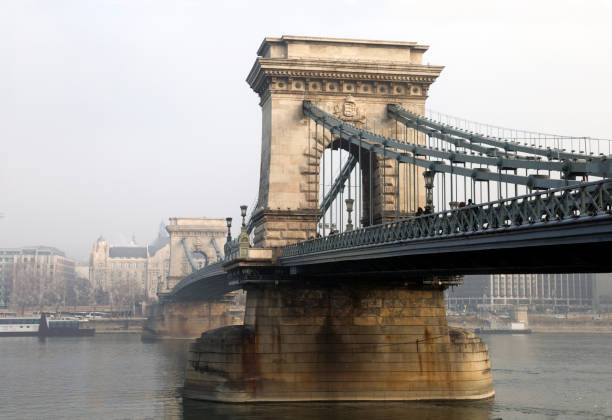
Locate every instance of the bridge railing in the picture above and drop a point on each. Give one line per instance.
(588, 199)
(197, 275)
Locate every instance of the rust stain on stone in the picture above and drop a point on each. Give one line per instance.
(251, 369)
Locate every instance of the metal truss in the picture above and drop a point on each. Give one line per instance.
(192, 263)
(571, 164)
(552, 206)
(338, 184)
(217, 249)
(387, 147)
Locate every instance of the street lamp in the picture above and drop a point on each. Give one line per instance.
(243, 239)
(429, 180)
(243, 210)
(228, 220)
(349, 209)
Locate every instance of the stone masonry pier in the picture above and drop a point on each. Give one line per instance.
(187, 319)
(340, 343)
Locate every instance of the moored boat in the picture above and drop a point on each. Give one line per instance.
(64, 328)
(512, 328)
(19, 326)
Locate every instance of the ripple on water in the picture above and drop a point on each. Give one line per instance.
(118, 376)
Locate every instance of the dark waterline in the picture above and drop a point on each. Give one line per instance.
(540, 376)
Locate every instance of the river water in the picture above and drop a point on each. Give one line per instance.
(540, 376)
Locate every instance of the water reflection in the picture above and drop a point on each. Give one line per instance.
(119, 377)
(349, 411)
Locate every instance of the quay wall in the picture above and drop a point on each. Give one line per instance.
(117, 325)
(550, 323)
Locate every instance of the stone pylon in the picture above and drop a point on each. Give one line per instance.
(353, 80)
(194, 243)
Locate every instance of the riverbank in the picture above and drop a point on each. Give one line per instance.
(550, 323)
(117, 325)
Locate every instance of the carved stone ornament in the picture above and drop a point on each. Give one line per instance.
(349, 111)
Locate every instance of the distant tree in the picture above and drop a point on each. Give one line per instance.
(27, 291)
(77, 292)
(101, 296)
(83, 291)
(6, 286)
(120, 294)
(126, 294)
(52, 293)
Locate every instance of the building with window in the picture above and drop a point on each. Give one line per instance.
(50, 267)
(142, 270)
(571, 291)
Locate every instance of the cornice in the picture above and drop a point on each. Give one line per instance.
(265, 70)
(288, 39)
(361, 65)
(195, 228)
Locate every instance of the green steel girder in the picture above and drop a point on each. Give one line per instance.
(571, 164)
(553, 206)
(380, 145)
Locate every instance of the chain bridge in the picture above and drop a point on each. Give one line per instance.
(369, 206)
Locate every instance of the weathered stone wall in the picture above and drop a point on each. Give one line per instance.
(357, 343)
(187, 320)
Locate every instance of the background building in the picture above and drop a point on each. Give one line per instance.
(133, 271)
(577, 291)
(32, 276)
(82, 271)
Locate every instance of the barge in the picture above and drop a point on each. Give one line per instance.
(44, 327)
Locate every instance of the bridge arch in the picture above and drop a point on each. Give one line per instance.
(200, 258)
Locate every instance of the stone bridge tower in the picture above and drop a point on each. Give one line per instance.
(333, 333)
(352, 79)
(194, 243)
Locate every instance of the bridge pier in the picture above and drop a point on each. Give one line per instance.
(187, 319)
(354, 342)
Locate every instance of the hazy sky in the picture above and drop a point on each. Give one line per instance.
(115, 115)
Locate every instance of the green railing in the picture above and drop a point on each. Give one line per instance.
(584, 200)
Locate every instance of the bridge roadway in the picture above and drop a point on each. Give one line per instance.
(563, 230)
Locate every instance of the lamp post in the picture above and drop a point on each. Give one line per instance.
(228, 220)
(349, 209)
(243, 239)
(243, 210)
(429, 180)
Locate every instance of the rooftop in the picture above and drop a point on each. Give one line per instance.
(127, 252)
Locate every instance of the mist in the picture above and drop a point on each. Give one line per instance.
(117, 115)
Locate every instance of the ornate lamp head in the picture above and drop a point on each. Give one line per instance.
(429, 178)
(349, 204)
(243, 211)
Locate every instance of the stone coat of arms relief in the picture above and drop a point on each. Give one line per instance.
(349, 111)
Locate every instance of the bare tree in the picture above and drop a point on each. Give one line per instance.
(52, 292)
(27, 290)
(77, 292)
(125, 294)
(6, 285)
